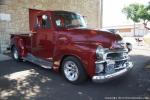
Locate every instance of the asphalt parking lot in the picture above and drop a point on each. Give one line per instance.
(23, 80)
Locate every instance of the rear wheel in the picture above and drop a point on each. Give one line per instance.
(73, 70)
(15, 54)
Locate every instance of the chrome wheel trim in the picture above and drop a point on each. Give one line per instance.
(15, 54)
(71, 71)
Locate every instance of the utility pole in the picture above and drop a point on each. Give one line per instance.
(100, 14)
(101, 17)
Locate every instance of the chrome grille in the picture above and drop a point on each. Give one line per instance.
(116, 56)
(120, 58)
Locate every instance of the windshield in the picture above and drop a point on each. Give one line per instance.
(69, 20)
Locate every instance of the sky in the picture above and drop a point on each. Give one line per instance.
(112, 15)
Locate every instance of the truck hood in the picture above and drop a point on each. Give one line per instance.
(92, 36)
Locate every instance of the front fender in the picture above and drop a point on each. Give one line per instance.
(84, 52)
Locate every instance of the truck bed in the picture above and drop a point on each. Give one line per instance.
(23, 38)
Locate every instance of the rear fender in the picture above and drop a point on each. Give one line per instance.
(19, 44)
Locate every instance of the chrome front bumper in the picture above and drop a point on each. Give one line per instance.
(106, 77)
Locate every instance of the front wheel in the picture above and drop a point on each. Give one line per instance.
(73, 70)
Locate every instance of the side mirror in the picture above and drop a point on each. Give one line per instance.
(44, 17)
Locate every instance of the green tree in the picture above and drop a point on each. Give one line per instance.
(137, 13)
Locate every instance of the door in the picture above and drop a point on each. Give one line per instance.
(42, 39)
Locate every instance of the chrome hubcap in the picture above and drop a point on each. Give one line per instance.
(71, 71)
(16, 54)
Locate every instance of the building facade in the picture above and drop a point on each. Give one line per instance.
(14, 15)
(136, 30)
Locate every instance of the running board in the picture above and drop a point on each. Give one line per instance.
(38, 61)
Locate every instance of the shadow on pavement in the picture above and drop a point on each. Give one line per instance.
(23, 80)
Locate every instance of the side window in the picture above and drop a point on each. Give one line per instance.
(60, 21)
(43, 22)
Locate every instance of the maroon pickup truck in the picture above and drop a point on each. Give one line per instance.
(60, 40)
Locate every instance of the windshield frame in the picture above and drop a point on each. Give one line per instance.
(72, 14)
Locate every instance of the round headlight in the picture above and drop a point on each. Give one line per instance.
(100, 52)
